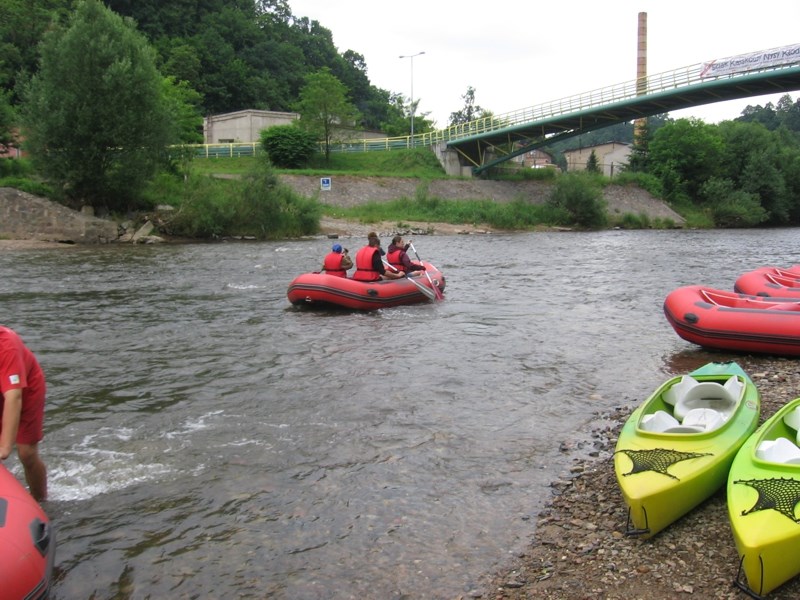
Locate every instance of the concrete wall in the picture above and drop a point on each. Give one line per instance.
(243, 126)
(610, 157)
(24, 216)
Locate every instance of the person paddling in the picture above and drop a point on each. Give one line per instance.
(397, 256)
(369, 266)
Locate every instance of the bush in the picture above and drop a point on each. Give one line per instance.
(581, 197)
(731, 207)
(258, 205)
(269, 209)
(287, 146)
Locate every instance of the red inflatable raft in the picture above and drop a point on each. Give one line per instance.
(732, 321)
(318, 290)
(27, 543)
(770, 281)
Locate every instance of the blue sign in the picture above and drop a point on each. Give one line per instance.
(325, 183)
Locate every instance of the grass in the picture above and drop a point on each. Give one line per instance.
(419, 163)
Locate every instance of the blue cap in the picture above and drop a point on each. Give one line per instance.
(336, 248)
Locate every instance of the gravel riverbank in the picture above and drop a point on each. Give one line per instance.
(580, 551)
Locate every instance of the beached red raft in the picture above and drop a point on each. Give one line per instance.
(733, 321)
(27, 543)
(318, 290)
(770, 281)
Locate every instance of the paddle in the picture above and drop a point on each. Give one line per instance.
(436, 289)
(431, 295)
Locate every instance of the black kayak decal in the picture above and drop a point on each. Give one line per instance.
(657, 460)
(781, 494)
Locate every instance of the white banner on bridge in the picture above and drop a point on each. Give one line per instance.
(754, 61)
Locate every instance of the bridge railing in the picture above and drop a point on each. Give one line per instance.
(604, 96)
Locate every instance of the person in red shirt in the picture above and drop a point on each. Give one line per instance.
(22, 394)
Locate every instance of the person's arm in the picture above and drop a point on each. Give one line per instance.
(377, 263)
(12, 410)
(410, 266)
(347, 262)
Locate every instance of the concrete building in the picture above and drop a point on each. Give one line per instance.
(243, 126)
(536, 159)
(611, 157)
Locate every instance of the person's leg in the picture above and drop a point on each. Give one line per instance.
(35, 471)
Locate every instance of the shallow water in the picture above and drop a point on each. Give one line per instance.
(205, 439)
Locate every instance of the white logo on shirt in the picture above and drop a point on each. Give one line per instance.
(14, 379)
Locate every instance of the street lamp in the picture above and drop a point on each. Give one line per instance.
(413, 108)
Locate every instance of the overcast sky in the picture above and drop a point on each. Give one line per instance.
(517, 54)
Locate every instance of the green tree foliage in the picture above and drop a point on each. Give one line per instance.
(269, 209)
(8, 119)
(324, 108)
(288, 146)
(684, 155)
(592, 165)
(785, 114)
(96, 120)
(579, 198)
(731, 207)
(183, 104)
(22, 25)
(470, 111)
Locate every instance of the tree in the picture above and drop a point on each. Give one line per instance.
(592, 165)
(324, 108)
(469, 112)
(685, 154)
(95, 118)
(183, 104)
(7, 119)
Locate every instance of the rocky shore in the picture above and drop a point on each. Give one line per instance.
(580, 551)
(24, 216)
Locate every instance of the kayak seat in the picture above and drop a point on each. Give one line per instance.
(658, 422)
(710, 394)
(707, 418)
(677, 391)
(781, 450)
(793, 420)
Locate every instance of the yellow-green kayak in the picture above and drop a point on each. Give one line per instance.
(763, 494)
(675, 450)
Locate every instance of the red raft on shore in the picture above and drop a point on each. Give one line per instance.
(770, 281)
(27, 542)
(319, 290)
(733, 321)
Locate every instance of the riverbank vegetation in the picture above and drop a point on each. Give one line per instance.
(123, 148)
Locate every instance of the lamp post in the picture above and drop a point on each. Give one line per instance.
(413, 108)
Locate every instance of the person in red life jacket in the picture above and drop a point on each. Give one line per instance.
(22, 393)
(369, 263)
(337, 261)
(397, 256)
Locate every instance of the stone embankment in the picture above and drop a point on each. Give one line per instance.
(24, 216)
(346, 190)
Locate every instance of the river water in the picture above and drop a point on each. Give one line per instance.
(205, 439)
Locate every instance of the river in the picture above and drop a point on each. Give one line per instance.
(205, 439)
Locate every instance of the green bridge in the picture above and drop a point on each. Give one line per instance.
(489, 141)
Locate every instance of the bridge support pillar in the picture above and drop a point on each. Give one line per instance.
(450, 160)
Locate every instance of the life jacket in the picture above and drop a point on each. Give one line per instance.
(393, 258)
(333, 265)
(364, 269)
